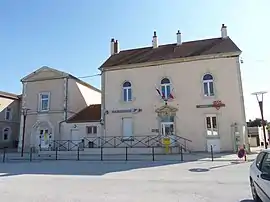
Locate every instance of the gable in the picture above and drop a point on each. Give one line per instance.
(44, 73)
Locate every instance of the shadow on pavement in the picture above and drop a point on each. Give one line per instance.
(74, 167)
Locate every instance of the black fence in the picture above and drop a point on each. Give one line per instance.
(118, 142)
(101, 155)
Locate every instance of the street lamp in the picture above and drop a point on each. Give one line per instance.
(24, 112)
(259, 96)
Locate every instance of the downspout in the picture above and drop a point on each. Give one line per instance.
(103, 114)
(65, 105)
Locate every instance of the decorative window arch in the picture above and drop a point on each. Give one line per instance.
(166, 88)
(208, 85)
(6, 133)
(127, 91)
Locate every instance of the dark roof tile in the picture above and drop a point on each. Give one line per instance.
(92, 113)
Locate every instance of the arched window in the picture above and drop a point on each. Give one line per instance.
(127, 91)
(166, 88)
(6, 133)
(208, 85)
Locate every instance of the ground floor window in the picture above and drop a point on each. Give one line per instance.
(6, 133)
(91, 129)
(211, 125)
(127, 128)
(167, 128)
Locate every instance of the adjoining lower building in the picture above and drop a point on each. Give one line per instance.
(191, 91)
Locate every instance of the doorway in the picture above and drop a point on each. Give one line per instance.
(167, 128)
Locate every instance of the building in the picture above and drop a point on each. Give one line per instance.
(83, 126)
(256, 137)
(49, 98)
(9, 119)
(191, 90)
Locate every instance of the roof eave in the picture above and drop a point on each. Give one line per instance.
(177, 60)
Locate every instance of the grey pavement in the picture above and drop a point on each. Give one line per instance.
(140, 181)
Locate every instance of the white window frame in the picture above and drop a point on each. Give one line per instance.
(207, 82)
(91, 132)
(126, 99)
(166, 94)
(10, 113)
(3, 133)
(211, 127)
(40, 101)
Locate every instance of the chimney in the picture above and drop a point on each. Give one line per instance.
(155, 40)
(178, 35)
(114, 46)
(224, 31)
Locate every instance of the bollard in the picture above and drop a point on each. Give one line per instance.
(181, 150)
(56, 153)
(4, 155)
(31, 154)
(78, 154)
(212, 154)
(126, 153)
(101, 153)
(153, 153)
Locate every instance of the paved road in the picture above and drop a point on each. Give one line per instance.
(73, 181)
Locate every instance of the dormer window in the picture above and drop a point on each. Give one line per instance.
(127, 91)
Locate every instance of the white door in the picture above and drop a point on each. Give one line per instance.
(127, 127)
(74, 139)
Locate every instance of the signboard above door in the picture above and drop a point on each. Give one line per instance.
(216, 104)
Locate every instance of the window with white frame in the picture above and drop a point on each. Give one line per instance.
(8, 113)
(44, 101)
(166, 88)
(91, 129)
(6, 134)
(127, 91)
(208, 85)
(211, 125)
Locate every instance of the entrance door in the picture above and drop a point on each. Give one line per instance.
(127, 128)
(167, 128)
(44, 138)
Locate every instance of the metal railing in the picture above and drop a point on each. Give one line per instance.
(117, 142)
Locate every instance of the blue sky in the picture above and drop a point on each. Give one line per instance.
(74, 36)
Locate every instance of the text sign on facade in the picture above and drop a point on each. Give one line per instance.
(135, 110)
(217, 104)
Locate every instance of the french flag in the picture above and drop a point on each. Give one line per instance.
(161, 95)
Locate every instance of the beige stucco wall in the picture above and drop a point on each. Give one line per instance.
(13, 124)
(81, 96)
(186, 78)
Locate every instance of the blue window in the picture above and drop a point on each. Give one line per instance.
(208, 85)
(166, 88)
(127, 91)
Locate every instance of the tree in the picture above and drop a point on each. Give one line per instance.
(257, 123)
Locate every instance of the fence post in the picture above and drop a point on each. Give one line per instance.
(181, 150)
(4, 155)
(126, 153)
(212, 154)
(153, 153)
(56, 153)
(101, 153)
(31, 154)
(78, 154)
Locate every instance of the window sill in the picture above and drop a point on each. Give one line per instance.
(43, 111)
(127, 102)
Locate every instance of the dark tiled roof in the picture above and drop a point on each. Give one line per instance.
(91, 113)
(171, 51)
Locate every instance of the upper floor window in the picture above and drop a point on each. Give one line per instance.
(91, 129)
(44, 101)
(8, 113)
(208, 85)
(166, 88)
(6, 133)
(127, 91)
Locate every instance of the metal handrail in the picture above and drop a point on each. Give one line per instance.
(117, 142)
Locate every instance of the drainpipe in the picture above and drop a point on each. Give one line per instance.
(66, 100)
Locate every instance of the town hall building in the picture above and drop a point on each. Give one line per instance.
(188, 90)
